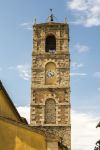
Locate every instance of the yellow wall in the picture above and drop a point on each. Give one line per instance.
(16, 137)
(6, 108)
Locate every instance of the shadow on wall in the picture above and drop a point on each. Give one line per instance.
(16, 137)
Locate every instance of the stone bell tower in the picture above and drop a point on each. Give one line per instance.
(50, 88)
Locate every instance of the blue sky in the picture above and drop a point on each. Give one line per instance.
(16, 19)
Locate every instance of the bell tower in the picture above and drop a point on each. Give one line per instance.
(50, 87)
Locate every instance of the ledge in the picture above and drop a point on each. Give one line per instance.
(51, 125)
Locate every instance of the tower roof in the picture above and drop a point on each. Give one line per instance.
(52, 20)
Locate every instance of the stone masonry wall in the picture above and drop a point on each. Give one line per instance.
(42, 89)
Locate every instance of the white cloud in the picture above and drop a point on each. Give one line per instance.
(99, 89)
(84, 133)
(78, 74)
(87, 12)
(24, 112)
(24, 71)
(0, 68)
(76, 65)
(81, 48)
(26, 25)
(97, 74)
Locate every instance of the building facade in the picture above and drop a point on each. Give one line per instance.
(15, 133)
(50, 88)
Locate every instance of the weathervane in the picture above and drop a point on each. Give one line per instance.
(51, 16)
(51, 10)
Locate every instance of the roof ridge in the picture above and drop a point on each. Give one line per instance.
(10, 100)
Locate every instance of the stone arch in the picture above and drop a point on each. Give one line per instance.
(50, 111)
(50, 43)
(50, 73)
(50, 60)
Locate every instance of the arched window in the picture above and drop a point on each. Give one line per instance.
(50, 44)
(50, 73)
(50, 111)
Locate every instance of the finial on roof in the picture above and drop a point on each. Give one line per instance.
(51, 17)
(65, 20)
(34, 20)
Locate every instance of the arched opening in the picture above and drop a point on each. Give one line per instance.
(50, 111)
(50, 73)
(50, 44)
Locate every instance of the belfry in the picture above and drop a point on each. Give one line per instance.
(50, 83)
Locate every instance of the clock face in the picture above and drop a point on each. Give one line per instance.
(50, 74)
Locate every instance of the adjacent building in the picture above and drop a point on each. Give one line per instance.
(15, 133)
